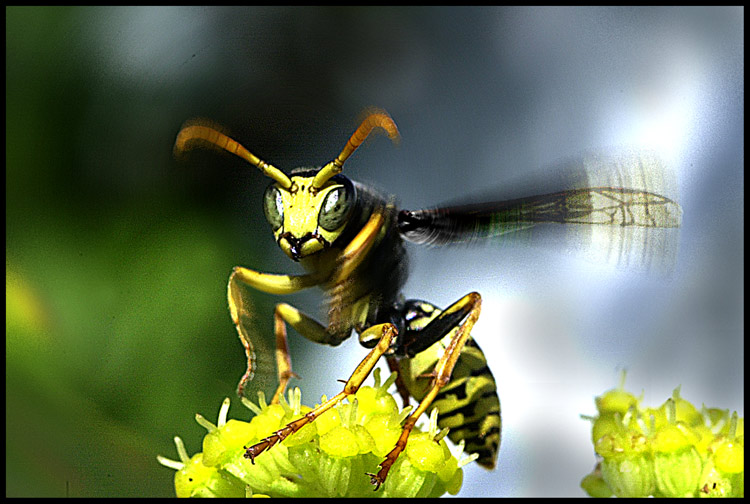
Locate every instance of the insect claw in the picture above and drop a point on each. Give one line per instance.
(374, 480)
(249, 455)
(258, 448)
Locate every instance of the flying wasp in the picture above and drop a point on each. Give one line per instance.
(351, 241)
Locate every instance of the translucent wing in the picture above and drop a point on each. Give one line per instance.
(609, 206)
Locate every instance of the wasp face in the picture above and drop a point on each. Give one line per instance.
(306, 220)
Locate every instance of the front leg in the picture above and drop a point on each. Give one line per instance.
(360, 246)
(241, 312)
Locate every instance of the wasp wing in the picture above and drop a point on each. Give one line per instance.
(609, 206)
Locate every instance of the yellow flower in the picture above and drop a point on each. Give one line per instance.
(326, 458)
(674, 450)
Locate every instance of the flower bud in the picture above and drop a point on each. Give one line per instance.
(678, 473)
(629, 476)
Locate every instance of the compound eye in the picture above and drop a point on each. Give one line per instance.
(336, 207)
(273, 207)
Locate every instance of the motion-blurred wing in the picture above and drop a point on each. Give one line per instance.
(593, 205)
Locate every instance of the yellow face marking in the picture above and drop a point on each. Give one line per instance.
(300, 234)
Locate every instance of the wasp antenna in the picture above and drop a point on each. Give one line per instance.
(197, 134)
(376, 119)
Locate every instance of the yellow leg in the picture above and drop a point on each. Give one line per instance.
(442, 375)
(241, 312)
(387, 332)
(360, 246)
(273, 284)
(303, 324)
(283, 361)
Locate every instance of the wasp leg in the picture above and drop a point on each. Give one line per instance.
(307, 327)
(272, 283)
(360, 246)
(467, 309)
(241, 312)
(400, 386)
(387, 333)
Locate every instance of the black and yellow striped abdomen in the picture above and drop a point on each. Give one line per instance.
(468, 405)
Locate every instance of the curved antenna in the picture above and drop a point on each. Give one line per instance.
(197, 134)
(376, 119)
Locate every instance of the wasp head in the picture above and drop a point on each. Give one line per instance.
(309, 209)
(306, 219)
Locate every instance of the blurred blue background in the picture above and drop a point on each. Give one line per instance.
(117, 256)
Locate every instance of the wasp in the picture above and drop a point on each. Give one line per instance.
(351, 242)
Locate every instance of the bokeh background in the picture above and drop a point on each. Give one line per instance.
(117, 256)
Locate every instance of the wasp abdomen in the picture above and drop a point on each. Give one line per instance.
(468, 404)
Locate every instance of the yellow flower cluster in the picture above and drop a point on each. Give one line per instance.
(330, 457)
(675, 450)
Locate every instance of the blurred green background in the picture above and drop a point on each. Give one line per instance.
(117, 256)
